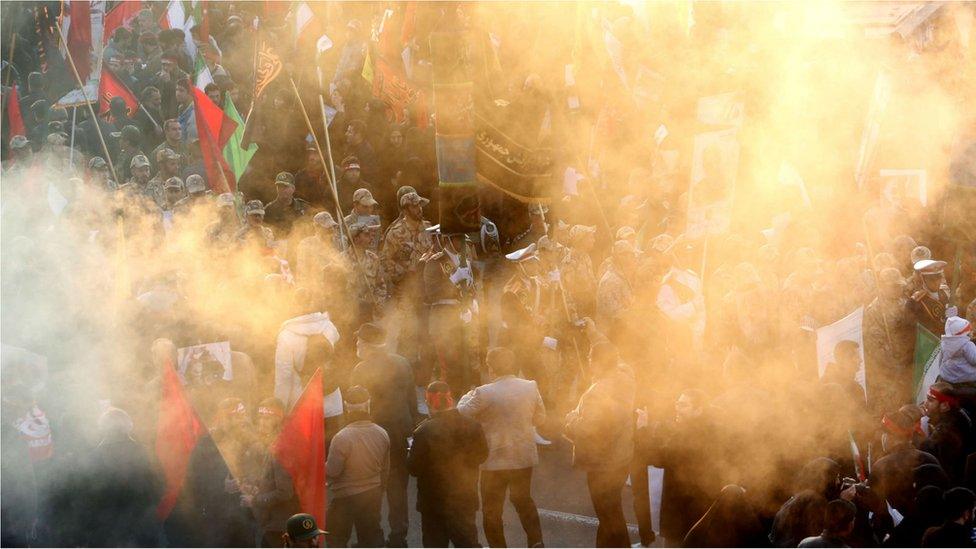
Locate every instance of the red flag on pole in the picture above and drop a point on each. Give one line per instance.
(177, 434)
(214, 129)
(300, 449)
(110, 86)
(79, 40)
(119, 16)
(15, 120)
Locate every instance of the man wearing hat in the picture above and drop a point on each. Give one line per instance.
(130, 141)
(364, 210)
(282, 212)
(371, 292)
(196, 193)
(268, 489)
(316, 254)
(889, 340)
(301, 531)
(21, 154)
(356, 470)
(223, 231)
(537, 227)
(311, 182)
(525, 305)
(393, 406)
(169, 166)
(139, 173)
(614, 292)
(350, 179)
(99, 175)
(576, 268)
(254, 231)
(930, 295)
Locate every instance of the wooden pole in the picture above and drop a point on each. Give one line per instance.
(98, 127)
(331, 167)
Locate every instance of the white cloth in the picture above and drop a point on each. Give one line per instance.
(290, 352)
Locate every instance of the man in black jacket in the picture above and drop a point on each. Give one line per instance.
(957, 531)
(950, 428)
(389, 380)
(447, 450)
(892, 476)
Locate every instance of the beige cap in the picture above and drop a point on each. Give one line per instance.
(225, 200)
(324, 219)
(363, 196)
(413, 198)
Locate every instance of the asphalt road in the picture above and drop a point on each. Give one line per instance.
(564, 505)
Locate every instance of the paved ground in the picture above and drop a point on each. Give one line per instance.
(561, 496)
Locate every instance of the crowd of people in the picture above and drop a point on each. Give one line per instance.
(594, 321)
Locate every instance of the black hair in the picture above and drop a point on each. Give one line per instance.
(838, 515)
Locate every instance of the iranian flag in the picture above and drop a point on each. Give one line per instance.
(178, 16)
(927, 359)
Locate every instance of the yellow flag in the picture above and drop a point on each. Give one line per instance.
(368, 68)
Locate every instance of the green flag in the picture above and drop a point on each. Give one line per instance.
(926, 362)
(237, 156)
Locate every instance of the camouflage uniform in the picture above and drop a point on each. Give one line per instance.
(404, 244)
(614, 297)
(888, 365)
(154, 189)
(260, 235)
(579, 282)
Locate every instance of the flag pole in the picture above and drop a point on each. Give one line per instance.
(335, 195)
(98, 127)
(151, 119)
(328, 148)
(71, 150)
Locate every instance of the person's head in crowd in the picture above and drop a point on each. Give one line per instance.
(501, 362)
(121, 37)
(213, 93)
(537, 216)
(169, 64)
(363, 202)
(36, 82)
(582, 238)
(130, 60)
(891, 285)
(355, 400)
(395, 138)
(301, 531)
(439, 398)
(114, 62)
(363, 235)
(254, 213)
(901, 247)
(229, 88)
(151, 98)
(351, 170)
(131, 138)
(312, 163)
(231, 417)
(168, 162)
(897, 428)
(940, 400)
(226, 209)
(114, 424)
(40, 111)
(149, 43)
(932, 274)
(98, 172)
(211, 56)
(402, 191)
(930, 474)
(884, 260)
(173, 132)
(689, 406)
(412, 205)
(183, 94)
(624, 257)
(270, 414)
(370, 340)
(960, 505)
(821, 476)
(139, 169)
(839, 519)
(285, 186)
(930, 505)
(847, 361)
(195, 185)
(604, 359)
(172, 40)
(173, 190)
(325, 226)
(958, 326)
(920, 253)
(355, 132)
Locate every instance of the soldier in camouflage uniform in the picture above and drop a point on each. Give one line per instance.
(254, 231)
(169, 166)
(317, 255)
(223, 231)
(536, 229)
(888, 362)
(406, 241)
(576, 267)
(370, 292)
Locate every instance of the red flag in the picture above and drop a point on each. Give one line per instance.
(214, 129)
(177, 434)
(300, 449)
(119, 16)
(15, 120)
(79, 40)
(110, 86)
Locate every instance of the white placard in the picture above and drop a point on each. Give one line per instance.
(193, 361)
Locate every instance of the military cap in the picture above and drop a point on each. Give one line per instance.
(929, 267)
(363, 196)
(225, 200)
(173, 183)
(254, 207)
(526, 253)
(97, 163)
(18, 142)
(302, 527)
(285, 178)
(413, 198)
(325, 220)
(138, 161)
(195, 184)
